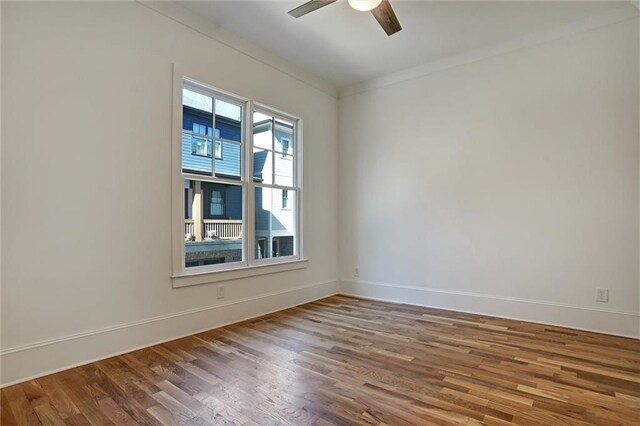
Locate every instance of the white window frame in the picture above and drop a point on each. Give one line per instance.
(296, 187)
(249, 266)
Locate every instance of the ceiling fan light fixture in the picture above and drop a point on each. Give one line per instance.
(364, 5)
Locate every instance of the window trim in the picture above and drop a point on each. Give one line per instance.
(249, 266)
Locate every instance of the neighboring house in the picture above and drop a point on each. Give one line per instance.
(213, 211)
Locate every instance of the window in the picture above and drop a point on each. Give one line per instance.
(217, 203)
(218, 152)
(204, 130)
(285, 145)
(243, 209)
(275, 180)
(216, 188)
(261, 248)
(201, 144)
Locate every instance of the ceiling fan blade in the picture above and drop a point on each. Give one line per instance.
(309, 6)
(386, 18)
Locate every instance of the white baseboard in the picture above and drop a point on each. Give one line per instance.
(619, 323)
(27, 362)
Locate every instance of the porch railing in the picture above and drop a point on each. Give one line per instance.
(223, 229)
(189, 228)
(214, 229)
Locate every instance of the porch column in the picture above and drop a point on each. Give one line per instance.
(196, 208)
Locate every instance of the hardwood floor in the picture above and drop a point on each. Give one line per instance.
(341, 361)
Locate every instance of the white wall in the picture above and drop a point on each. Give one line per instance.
(508, 186)
(86, 178)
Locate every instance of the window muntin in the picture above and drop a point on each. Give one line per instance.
(269, 171)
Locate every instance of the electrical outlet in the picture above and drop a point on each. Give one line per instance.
(220, 292)
(356, 272)
(602, 295)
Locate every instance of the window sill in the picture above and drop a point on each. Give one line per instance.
(186, 280)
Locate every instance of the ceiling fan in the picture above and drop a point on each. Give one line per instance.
(381, 10)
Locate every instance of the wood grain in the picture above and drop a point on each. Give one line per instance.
(386, 17)
(342, 361)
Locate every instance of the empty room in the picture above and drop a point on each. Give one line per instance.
(332, 212)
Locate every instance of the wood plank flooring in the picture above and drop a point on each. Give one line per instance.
(344, 361)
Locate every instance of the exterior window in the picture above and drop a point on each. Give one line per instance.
(200, 146)
(285, 146)
(203, 130)
(201, 142)
(261, 247)
(218, 152)
(255, 186)
(217, 203)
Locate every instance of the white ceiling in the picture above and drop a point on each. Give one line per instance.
(345, 47)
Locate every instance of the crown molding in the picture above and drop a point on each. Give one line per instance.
(181, 15)
(612, 17)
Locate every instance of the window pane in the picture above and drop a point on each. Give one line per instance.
(213, 223)
(227, 110)
(262, 131)
(196, 154)
(284, 169)
(275, 223)
(262, 166)
(196, 101)
(198, 119)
